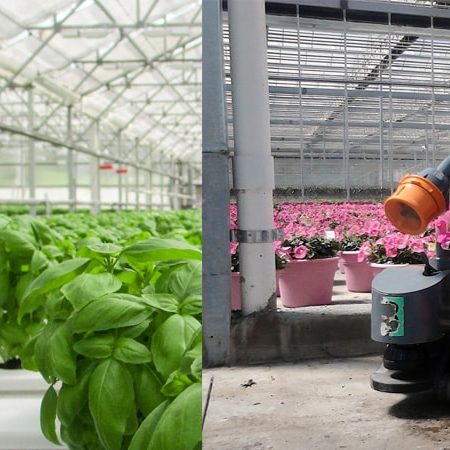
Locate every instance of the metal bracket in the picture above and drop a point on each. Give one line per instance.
(256, 236)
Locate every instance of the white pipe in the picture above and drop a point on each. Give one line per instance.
(253, 163)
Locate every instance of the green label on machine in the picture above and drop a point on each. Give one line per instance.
(395, 322)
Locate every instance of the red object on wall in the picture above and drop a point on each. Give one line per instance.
(122, 170)
(107, 166)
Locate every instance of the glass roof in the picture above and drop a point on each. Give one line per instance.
(132, 65)
(369, 88)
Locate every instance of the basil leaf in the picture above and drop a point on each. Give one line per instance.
(191, 305)
(111, 401)
(43, 233)
(4, 286)
(186, 280)
(61, 354)
(19, 245)
(136, 330)
(163, 302)
(144, 433)
(132, 352)
(42, 355)
(87, 287)
(157, 249)
(48, 415)
(184, 415)
(95, 347)
(175, 384)
(169, 342)
(105, 249)
(52, 278)
(110, 311)
(73, 398)
(39, 262)
(147, 387)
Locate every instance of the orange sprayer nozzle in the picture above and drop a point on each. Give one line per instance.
(415, 203)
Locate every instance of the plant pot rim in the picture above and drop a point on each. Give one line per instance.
(388, 265)
(314, 260)
(349, 252)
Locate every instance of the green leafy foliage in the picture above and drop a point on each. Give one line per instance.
(48, 415)
(108, 309)
(89, 286)
(186, 410)
(111, 401)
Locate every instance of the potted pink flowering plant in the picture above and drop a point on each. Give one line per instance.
(358, 274)
(308, 276)
(394, 249)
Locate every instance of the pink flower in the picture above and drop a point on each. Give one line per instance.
(417, 245)
(401, 241)
(364, 252)
(391, 251)
(233, 247)
(372, 228)
(284, 252)
(441, 226)
(444, 241)
(300, 252)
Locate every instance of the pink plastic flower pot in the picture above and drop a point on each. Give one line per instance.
(341, 265)
(307, 282)
(377, 268)
(358, 275)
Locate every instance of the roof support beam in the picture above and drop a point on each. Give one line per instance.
(58, 143)
(43, 44)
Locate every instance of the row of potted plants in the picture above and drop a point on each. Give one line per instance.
(316, 235)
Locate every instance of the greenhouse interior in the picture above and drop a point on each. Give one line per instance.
(100, 224)
(326, 177)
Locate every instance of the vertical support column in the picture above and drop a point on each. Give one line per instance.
(254, 167)
(95, 173)
(190, 182)
(22, 168)
(119, 175)
(137, 186)
(71, 174)
(216, 192)
(179, 185)
(31, 154)
(433, 102)
(149, 193)
(391, 113)
(161, 187)
(381, 178)
(345, 116)
(172, 184)
(300, 110)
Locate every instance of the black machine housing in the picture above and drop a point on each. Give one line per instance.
(411, 315)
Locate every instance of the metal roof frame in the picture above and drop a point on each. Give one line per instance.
(112, 62)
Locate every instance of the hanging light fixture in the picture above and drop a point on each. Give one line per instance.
(106, 166)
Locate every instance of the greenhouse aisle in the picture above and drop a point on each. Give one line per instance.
(20, 399)
(322, 404)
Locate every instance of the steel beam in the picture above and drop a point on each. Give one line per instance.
(216, 193)
(31, 153)
(71, 164)
(43, 44)
(58, 143)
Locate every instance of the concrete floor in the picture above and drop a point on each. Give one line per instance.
(322, 404)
